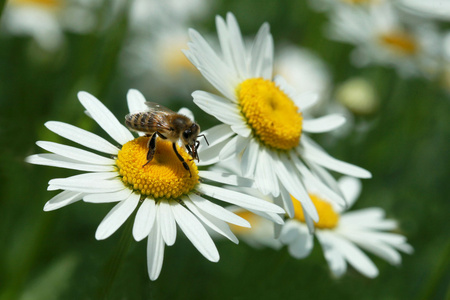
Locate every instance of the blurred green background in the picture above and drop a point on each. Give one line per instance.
(54, 255)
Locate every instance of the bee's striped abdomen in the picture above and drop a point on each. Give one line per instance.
(139, 121)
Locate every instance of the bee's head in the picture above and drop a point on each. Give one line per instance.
(189, 138)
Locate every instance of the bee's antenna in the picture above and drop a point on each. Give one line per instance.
(204, 138)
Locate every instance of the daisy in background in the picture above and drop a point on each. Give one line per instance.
(303, 70)
(381, 37)
(342, 233)
(152, 56)
(163, 191)
(326, 5)
(45, 20)
(263, 122)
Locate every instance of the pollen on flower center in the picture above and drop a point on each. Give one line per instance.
(271, 114)
(163, 177)
(328, 217)
(400, 42)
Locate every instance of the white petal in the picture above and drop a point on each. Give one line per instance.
(286, 200)
(351, 188)
(210, 155)
(335, 259)
(304, 101)
(233, 148)
(105, 118)
(258, 51)
(242, 129)
(239, 199)
(265, 176)
(75, 153)
(291, 181)
(316, 182)
(136, 101)
(145, 218)
(290, 232)
(215, 224)
(221, 108)
(82, 137)
(249, 159)
(314, 153)
(62, 199)
(108, 197)
(224, 39)
(301, 247)
(323, 124)
(186, 112)
(86, 186)
(195, 232)
(166, 221)
(218, 211)
(237, 47)
(353, 255)
(216, 135)
(226, 178)
(55, 160)
(116, 217)
(155, 252)
(267, 68)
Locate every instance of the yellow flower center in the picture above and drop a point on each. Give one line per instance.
(250, 217)
(271, 114)
(399, 42)
(163, 177)
(328, 218)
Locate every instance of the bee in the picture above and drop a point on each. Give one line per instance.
(168, 125)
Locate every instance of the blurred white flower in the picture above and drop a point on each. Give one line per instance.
(381, 37)
(163, 191)
(46, 20)
(342, 233)
(358, 95)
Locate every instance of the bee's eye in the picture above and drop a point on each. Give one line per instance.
(186, 133)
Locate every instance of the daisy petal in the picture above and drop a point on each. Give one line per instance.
(258, 51)
(195, 232)
(290, 232)
(155, 252)
(105, 118)
(291, 181)
(55, 160)
(286, 200)
(239, 199)
(186, 112)
(225, 178)
(265, 177)
(216, 135)
(75, 153)
(249, 159)
(351, 188)
(82, 137)
(62, 199)
(306, 100)
(145, 218)
(237, 47)
(215, 224)
(317, 155)
(136, 101)
(108, 197)
(218, 106)
(301, 247)
(86, 186)
(218, 211)
(233, 147)
(242, 129)
(323, 124)
(116, 217)
(166, 221)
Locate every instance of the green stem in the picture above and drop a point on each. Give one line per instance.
(112, 266)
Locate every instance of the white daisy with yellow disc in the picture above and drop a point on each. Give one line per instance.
(165, 193)
(263, 119)
(342, 233)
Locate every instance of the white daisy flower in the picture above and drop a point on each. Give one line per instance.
(263, 119)
(163, 191)
(382, 38)
(45, 20)
(326, 5)
(342, 234)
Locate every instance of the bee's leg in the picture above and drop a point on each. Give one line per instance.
(185, 165)
(161, 136)
(151, 145)
(189, 150)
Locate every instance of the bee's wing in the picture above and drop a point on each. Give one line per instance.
(152, 106)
